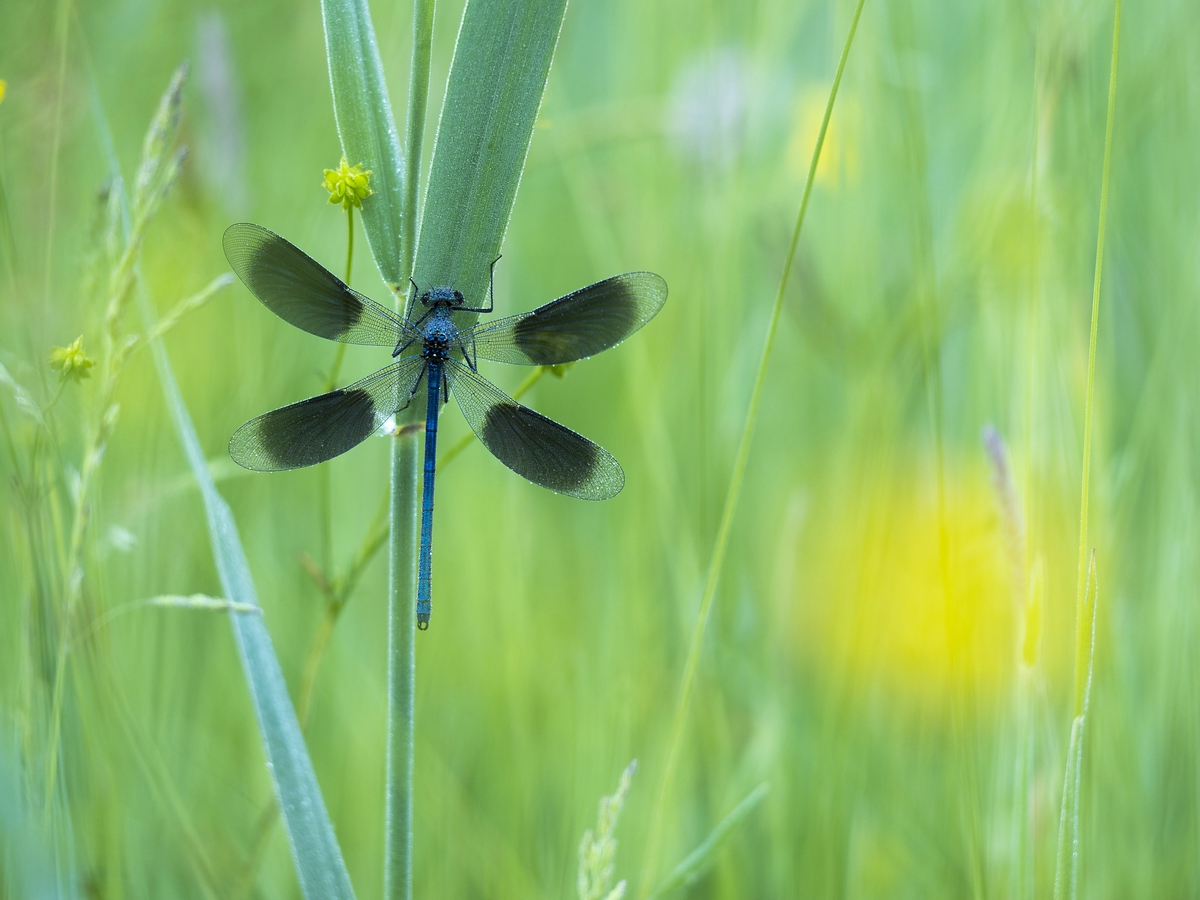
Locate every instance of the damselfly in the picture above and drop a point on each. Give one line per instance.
(435, 350)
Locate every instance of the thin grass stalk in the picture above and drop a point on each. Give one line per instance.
(336, 593)
(1022, 784)
(62, 27)
(402, 664)
(653, 844)
(1023, 807)
(405, 516)
(1068, 823)
(1085, 626)
(418, 106)
(1082, 722)
(700, 860)
(1024, 654)
(1081, 582)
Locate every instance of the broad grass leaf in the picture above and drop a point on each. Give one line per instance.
(501, 62)
(366, 126)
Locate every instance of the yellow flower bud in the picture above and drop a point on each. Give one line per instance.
(348, 185)
(71, 362)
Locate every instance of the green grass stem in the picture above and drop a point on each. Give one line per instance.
(63, 32)
(1085, 593)
(700, 860)
(1068, 826)
(405, 514)
(654, 841)
(1025, 755)
(1081, 641)
(418, 106)
(402, 663)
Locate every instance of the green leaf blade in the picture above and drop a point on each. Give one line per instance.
(699, 860)
(501, 63)
(366, 127)
(315, 851)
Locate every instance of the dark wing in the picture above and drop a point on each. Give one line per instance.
(320, 428)
(301, 291)
(578, 325)
(531, 445)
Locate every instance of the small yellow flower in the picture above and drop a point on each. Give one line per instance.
(3, 88)
(71, 362)
(348, 185)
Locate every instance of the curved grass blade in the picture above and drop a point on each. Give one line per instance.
(1085, 637)
(501, 62)
(699, 860)
(315, 852)
(366, 127)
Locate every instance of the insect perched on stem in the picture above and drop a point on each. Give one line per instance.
(431, 350)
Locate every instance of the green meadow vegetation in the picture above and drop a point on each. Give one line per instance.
(901, 594)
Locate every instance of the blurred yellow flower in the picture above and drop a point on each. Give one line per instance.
(348, 185)
(71, 362)
(3, 89)
(839, 154)
(912, 600)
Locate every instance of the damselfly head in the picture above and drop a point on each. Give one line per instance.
(446, 296)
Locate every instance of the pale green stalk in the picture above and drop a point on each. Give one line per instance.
(497, 78)
(63, 25)
(1081, 581)
(1068, 823)
(700, 860)
(418, 105)
(650, 862)
(1025, 746)
(402, 663)
(405, 517)
(1085, 625)
(336, 592)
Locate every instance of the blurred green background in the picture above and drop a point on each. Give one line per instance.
(899, 668)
